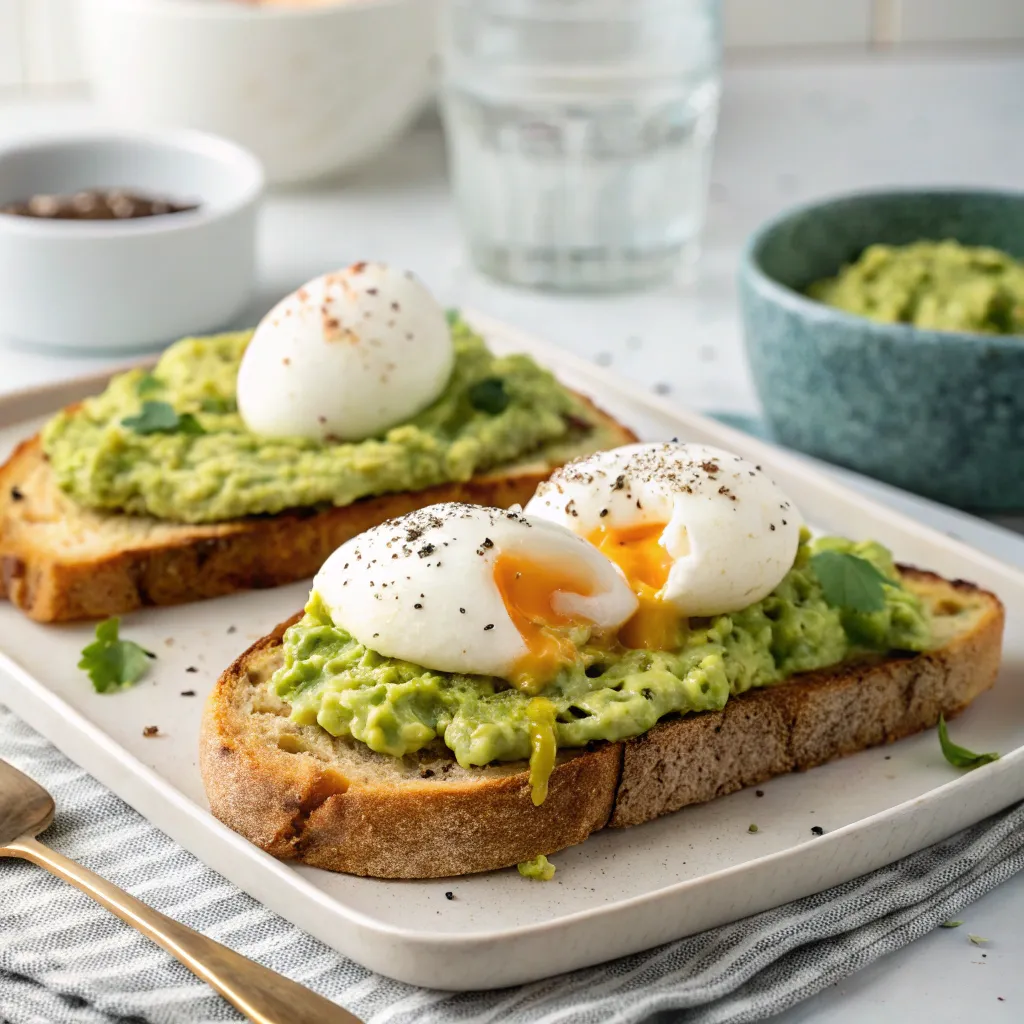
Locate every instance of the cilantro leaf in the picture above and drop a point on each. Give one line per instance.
(452, 316)
(161, 418)
(188, 424)
(147, 384)
(850, 582)
(960, 757)
(112, 663)
(977, 940)
(951, 924)
(214, 404)
(489, 395)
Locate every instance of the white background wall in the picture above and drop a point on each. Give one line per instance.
(37, 37)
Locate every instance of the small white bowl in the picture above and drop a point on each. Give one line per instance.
(131, 284)
(311, 90)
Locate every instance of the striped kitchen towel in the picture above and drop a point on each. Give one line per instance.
(63, 960)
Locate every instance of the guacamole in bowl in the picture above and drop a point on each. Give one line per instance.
(902, 362)
(941, 286)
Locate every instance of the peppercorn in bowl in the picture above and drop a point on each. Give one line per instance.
(124, 240)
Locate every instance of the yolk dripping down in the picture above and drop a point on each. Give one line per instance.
(527, 590)
(646, 564)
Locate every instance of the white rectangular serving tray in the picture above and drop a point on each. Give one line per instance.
(620, 892)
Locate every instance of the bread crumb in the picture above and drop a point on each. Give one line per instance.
(150, 730)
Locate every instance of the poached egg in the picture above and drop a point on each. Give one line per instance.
(345, 357)
(695, 530)
(482, 591)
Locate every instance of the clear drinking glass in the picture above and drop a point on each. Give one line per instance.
(580, 135)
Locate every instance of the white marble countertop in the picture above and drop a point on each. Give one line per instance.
(789, 132)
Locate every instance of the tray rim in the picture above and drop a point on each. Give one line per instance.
(187, 812)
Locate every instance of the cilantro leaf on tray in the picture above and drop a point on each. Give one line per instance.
(961, 757)
(112, 663)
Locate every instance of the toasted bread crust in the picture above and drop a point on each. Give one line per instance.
(295, 806)
(397, 823)
(133, 561)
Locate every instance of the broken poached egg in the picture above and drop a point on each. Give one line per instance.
(696, 531)
(482, 591)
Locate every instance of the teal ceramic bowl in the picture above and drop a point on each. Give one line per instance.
(935, 412)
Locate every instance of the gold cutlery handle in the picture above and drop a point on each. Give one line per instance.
(260, 993)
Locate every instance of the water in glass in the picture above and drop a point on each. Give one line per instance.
(580, 135)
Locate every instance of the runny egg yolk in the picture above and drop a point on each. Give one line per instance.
(646, 564)
(528, 590)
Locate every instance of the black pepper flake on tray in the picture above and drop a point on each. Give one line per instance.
(17, 494)
(188, 693)
(150, 730)
(192, 668)
(426, 550)
(758, 792)
(417, 605)
(449, 895)
(462, 611)
(490, 625)
(487, 543)
(817, 830)
(603, 513)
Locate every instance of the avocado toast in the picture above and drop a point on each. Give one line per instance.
(330, 742)
(158, 491)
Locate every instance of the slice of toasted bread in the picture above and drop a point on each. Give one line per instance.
(60, 561)
(300, 793)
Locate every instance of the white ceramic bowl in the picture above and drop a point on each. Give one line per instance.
(310, 90)
(133, 284)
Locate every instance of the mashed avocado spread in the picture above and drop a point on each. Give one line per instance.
(397, 708)
(189, 458)
(942, 286)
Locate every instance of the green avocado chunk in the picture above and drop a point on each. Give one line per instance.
(942, 286)
(540, 869)
(218, 470)
(396, 707)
